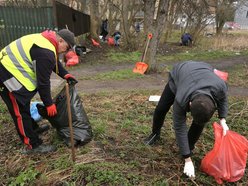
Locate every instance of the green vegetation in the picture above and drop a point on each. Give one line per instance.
(114, 75)
(26, 177)
(187, 54)
(238, 75)
(106, 172)
(120, 121)
(120, 57)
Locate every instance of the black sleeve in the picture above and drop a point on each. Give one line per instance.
(219, 94)
(222, 105)
(181, 130)
(61, 70)
(44, 61)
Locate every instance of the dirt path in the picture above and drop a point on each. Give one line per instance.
(152, 81)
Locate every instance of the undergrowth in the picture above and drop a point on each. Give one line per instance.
(117, 155)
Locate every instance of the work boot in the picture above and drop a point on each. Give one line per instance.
(42, 129)
(41, 149)
(150, 140)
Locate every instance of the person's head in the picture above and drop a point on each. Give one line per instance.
(202, 108)
(66, 40)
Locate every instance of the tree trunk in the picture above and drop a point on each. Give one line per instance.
(125, 22)
(94, 19)
(157, 19)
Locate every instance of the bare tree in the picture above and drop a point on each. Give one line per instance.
(224, 9)
(122, 16)
(197, 19)
(173, 13)
(115, 15)
(98, 12)
(126, 21)
(154, 21)
(94, 19)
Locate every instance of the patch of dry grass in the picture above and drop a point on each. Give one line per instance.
(228, 41)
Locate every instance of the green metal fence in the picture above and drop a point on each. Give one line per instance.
(18, 21)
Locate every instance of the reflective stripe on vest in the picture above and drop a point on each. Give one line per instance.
(18, 60)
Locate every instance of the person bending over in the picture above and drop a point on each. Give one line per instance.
(192, 87)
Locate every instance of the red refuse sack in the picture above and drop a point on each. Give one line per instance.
(71, 58)
(111, 41)
(95, 43)
(227, 160)
(221, 74)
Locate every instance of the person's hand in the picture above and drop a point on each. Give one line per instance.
(189, 168)
(51, 110)
(224, 126)
(70, 79)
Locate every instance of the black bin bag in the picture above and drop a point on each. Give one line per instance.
(82, 131)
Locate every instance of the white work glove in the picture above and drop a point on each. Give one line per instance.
(224, 126)
(189, 169)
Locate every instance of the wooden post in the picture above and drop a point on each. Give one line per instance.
(70, 121)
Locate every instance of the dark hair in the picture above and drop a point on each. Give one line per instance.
(202, 109)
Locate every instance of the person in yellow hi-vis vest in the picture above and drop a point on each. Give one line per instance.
(26, 65)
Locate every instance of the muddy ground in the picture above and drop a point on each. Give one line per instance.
(89, 66)
(12, 163)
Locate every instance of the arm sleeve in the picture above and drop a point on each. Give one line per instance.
(219, 94)
(62, 70)
(44, 61)
(222, 106)
(181, 130)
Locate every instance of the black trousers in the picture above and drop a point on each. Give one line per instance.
(164, 104)
(104, 34)
(21, 116)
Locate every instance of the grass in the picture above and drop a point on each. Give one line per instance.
(199, 55)
(238, 75)
(117, 156)
(120, 121)
(122, 74)
(187, 54)
(26, 177)
(120, 57)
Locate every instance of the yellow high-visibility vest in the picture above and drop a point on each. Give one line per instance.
(17, 60)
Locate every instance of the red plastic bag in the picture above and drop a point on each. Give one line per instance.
(227, 160)
(111, 41)
(221, 74)
(95, 43)
(71, 58)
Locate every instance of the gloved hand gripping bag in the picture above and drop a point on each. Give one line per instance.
(82, 131)
(227, 160)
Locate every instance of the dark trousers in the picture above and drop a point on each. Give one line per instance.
(166, 101)
(186, 43)
(164, 104)
(104, 34)
(22, 118)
